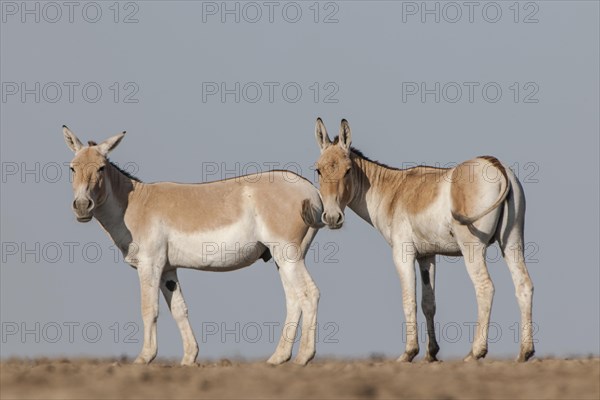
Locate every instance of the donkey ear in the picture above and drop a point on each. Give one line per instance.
(109, 144)
(321, 135)
(345, 135)
(72, 141)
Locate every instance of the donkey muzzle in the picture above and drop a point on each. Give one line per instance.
(82, 207)
(333, 220)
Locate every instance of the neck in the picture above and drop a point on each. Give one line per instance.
(111, 212)
(369, 199)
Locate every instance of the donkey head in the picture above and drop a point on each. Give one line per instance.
(334, 169)
(89, 175)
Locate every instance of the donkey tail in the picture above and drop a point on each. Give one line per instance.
(311, 213)
(465, 220)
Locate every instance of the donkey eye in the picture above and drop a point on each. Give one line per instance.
(72, 169)
(318, 172)
(101, 169)
(347, 172)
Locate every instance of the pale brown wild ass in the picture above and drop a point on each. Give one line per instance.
(216, 226)
(425, 211)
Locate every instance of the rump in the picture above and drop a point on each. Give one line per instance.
(477, 188)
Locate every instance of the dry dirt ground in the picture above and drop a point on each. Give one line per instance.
(98, 379)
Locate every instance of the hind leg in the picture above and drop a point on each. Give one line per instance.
(474, 255)
(308, 341)
(283, 352)
(304, 296)
(307, 293)
(511, 240)
(427, 267)
(171, 289)
(514, 257)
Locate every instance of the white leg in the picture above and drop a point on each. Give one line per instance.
(427, 267)
(171, 289)
(308, 341)
(404, 259)
(474, 255)
(510, 239)
(307, 294)
(149, 275)
(513, 255)
(283, 352)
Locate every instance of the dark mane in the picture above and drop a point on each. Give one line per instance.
(127, 174)
(360, 154)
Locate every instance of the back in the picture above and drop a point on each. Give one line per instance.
(275, 197)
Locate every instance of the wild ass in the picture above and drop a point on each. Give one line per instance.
(216, 226)
(425, 211)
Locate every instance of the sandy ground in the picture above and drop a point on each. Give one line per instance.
(93, 378)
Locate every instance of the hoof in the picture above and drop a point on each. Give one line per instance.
(278, 360)
(432, 351)
(476, 356)
(408, 356)
(303, 360)
(189, 359)
(525, 355)
(141, 361)
(144, 358)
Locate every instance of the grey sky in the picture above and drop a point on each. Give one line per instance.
(366, 67)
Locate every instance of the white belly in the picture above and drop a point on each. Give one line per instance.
(228, 248)
(432, 229)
